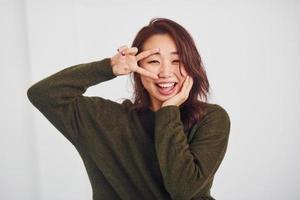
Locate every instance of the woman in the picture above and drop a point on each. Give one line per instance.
(167, 144)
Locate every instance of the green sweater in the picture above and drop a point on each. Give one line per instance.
(127, 154)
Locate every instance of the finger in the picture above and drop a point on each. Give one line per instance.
(132, 50)
(190, 83)
(146, 72)
(189, 86)
(185, 85)
(122, 49)
(183, 71)
(186, 80)
(146, 53)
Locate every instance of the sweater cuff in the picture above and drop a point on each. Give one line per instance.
(104, 68)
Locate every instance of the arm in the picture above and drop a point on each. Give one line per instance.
(59, 97)
(187, 168)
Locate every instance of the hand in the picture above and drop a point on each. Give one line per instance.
(125, 61)
(181, 96)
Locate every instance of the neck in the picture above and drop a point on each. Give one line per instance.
(155, 105)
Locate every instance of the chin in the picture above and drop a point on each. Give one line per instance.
(162, 99)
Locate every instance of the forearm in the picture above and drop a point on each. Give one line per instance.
(188, 168)
(65, 85)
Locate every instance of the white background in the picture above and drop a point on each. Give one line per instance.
(251, 54)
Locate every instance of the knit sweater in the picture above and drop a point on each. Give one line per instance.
(127, 154)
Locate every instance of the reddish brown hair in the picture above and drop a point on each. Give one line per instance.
(192, 110)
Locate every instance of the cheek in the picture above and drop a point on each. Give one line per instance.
(180, 84)
(150, 68)
(181, 74)
(146, 82)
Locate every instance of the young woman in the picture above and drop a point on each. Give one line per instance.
(167, 143)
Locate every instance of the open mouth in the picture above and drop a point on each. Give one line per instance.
(166, 88)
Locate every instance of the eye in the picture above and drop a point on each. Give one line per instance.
(153, 61)
(176, 61)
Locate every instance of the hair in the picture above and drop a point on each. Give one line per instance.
(193, 109)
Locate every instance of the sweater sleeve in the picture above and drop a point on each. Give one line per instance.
(188, 167)
(59, 97)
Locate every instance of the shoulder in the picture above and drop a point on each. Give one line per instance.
(127, 103)
(213, 128)
(215, 120)
(217, 112)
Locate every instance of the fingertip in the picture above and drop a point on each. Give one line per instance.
(192, 80)
(155, 77)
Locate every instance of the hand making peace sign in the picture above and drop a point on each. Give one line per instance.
(125, 61)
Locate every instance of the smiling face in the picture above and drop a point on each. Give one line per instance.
(166, 65)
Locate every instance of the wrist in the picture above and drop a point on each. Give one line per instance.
(112, 62)
(112, 65)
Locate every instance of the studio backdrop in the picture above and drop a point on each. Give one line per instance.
(250, 51)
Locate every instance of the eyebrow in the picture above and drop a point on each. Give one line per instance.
(158, 53)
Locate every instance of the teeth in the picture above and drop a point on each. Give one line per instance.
(165, 85)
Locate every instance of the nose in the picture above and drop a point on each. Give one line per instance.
(165, 71)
